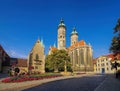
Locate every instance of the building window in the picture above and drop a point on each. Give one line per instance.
(61, 36)
(98, 60)
(107, 69)
(106, 63)
(36, 67)
(37, 56)
(82, 56)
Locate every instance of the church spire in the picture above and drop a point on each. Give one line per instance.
(74, 36)
(61, 23)
(38, 40)
(54, 45)
(74, 32)
(42, 42)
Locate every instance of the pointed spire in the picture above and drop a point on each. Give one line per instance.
(42, 43)
(74, 29)
(89, 44)
(74, 32)
(54, 45)
(38, 40)
(61, 23)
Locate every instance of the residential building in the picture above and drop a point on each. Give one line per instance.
(4, 60)
(105, 64)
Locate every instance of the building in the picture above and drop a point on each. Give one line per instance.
(103, 64)
(19, 63)
(80, 52)
(36, 58)
(4, 60)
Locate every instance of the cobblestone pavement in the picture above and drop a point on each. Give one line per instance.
(86, 83)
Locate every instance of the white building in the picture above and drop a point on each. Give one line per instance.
(103, 65)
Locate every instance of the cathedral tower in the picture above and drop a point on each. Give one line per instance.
(74, 36)
(61, 35)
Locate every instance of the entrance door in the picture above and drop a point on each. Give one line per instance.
(103, 70)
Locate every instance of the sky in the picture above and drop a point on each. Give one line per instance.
(23, 21)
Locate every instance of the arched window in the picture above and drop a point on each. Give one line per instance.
(82, 56)
(37, 56)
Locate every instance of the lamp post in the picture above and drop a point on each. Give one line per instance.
(65, 67)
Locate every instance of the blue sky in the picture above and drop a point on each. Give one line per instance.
(22, 21)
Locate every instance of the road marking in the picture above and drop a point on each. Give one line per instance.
(100, 84)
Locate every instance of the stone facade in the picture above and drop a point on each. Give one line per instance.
(81, 57)
(80, 53)
(36, 59)
(61, 35)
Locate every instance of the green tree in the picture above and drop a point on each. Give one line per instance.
(57, 61)
(115, 45)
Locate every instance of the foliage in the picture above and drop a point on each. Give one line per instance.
(56, 61)
(115, 45)
(23, 78)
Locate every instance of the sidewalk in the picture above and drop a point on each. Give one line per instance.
(109, 84)
(27, 84)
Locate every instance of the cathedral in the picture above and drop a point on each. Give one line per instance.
(80, 53)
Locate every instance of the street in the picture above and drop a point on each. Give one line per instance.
(88, 83)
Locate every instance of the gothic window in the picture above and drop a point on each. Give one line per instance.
(87, 56)
(36, 67)
(76, 56)
(37, 56)
(72, 57)
(82, 56)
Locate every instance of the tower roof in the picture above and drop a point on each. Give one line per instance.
(74, 32)
(61, 23)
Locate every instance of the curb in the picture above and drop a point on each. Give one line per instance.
(39, 82)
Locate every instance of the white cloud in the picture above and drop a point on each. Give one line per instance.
(15, 54)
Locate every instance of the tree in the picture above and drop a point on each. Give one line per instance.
(115, 45)
(57, 61)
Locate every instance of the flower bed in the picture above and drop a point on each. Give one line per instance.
(28, 78)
